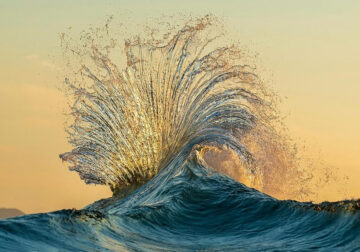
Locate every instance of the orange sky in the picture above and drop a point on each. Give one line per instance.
(309, 51)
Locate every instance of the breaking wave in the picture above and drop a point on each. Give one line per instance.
(174, 95)
(181, 131)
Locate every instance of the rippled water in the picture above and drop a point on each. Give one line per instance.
(188, 207)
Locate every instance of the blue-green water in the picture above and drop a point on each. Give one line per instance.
(188, 207)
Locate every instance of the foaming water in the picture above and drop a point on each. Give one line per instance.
(181, 132)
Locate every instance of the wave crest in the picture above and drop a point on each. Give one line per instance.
(129, 123)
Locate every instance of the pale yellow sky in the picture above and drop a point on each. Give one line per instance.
(308, 49)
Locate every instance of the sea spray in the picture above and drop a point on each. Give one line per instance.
(130, 122)
(172, 93)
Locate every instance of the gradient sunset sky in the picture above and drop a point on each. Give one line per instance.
(310, 51)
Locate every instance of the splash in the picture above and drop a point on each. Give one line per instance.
(178, 121)
(178, 94)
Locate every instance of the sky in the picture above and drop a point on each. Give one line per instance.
(309, 51)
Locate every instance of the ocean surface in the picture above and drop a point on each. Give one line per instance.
(188, 207)
(144, 127)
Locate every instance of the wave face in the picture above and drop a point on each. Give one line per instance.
(189, 207)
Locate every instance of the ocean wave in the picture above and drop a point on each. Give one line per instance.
(128, 124)
(153, 130)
